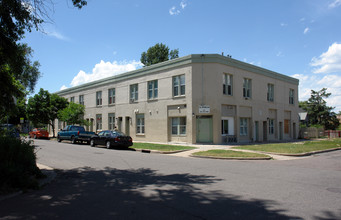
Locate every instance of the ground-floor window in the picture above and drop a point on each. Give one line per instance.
(140, 124)
(243, 126)
(179, 126)
(286, 126)
(99, 122)
(271, 126)
(111, 121)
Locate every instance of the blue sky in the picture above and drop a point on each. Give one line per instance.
(298, 38)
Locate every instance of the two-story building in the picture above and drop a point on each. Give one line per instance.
(199, 98)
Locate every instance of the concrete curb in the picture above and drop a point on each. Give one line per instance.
(234, 158)
(159, 152)
(301, 154)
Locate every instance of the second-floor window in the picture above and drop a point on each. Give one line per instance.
(179, 86)
(270, 94)
(291, 96)
(152, 89)
(72, 99)
(134, 92)
(227, 84)
(111, 96)
(247, 88)
(99, 98)
(81, 99)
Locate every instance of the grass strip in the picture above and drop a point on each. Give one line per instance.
(160, 147)
(229, 153)
(295, 148)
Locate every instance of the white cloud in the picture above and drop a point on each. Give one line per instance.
(63, 87)
(283, 24)
(334, 4)
(105, 69)
(306, 30)
(174, 11)
(57, 35)
(328, 62)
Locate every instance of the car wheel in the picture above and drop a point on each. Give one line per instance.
(35, 136)
(58, 139)
(92, 143)
(108, 144)
(73, 140)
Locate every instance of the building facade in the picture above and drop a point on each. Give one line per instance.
(200, 98)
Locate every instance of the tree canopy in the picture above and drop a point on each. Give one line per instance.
(43, 108)
(157, 54)
(318, 111)
(72, 114)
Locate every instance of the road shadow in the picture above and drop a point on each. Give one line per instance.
(111, 193)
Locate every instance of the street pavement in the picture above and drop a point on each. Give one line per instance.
(124, 184)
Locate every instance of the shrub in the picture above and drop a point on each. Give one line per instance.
(18, 166)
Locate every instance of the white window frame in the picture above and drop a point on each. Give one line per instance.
(178, 126)
(72, 99)
(179, 85)
(111, 121)
(247, 88)
(152, 89)
(271, 92)
(243, 126)
(111, 96)
(99, 98)
(140, 124)
(134, 92)
(227, 84)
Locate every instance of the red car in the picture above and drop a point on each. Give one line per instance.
(38, 133)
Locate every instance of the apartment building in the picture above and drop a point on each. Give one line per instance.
(199, 98)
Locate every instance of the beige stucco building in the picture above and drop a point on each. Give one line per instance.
(200, 98)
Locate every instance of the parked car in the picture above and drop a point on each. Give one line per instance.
(75, 134)
(38, 133)
(111, 139)
(10, 130)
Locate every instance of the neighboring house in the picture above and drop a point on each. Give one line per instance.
(199, 98)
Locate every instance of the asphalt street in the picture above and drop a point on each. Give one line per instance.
(100, 183)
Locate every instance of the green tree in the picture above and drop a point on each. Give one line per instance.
(17, 72)
(157, 54)
(72, 114)
(43, 108)
(318, 111)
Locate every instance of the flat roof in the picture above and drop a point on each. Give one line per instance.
(181, 61)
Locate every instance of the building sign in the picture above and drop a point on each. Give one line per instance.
(204, 109)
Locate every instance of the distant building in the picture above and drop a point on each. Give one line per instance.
(199, 98)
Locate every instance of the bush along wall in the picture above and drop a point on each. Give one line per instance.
(18, 166)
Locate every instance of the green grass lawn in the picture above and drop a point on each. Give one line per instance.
(228, 153)
(295, 148)
(160, 147)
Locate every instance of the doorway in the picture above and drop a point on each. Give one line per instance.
(256, 131)
(265, 131)
(127, 126)
(204, 129)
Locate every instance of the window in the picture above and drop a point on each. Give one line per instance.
(111, 96)
(227, 84)
(243, 126)
(291, 96)
(98, 122)
(179, 126)
(111, 121)
(81, 99)
(72, 99)
(140, 124)
(271, 126)
(99, 98)
(224, 126)
(270, 94)
(286, 126)
(247, 88)
(134, 92)
(152, 89)
(179, 87)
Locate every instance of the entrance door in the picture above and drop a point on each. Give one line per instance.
(265, 131)
(127, 126)
(119, 123)
(204, 129)
(256, 131)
